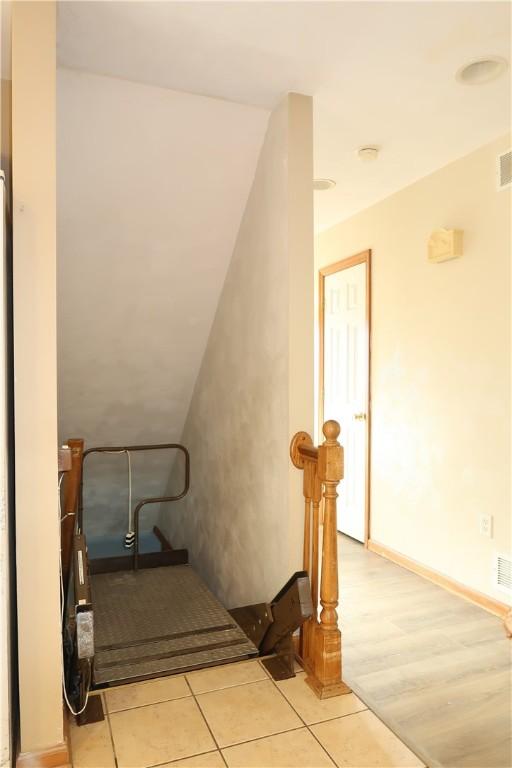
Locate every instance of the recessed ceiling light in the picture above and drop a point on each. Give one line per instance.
(481, 71)
(368, 153)
(319, 185)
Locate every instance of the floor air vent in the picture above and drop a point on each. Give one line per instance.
(505, 170)
(503, 573)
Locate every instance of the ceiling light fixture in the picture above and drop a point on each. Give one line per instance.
(368, 153)
(319, 185)
(481, 71)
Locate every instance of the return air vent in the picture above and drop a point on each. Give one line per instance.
(503, 573)
(505, 170)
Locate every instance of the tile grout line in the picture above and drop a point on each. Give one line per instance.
(218, 748)
(262, 738)
(70, 739)
(210, 730)
(205, 720)
(322, 746)
(179, 759)
(109, 725)
(395, 734)
(284, 697)
(257, 738)
(227, 687)
(328, 719)
(185, 676)
(180, 698)
(337, 717)
(151, 704)
(186, 696)
(306, 725)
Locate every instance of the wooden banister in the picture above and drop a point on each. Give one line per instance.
(71, 486)
(320, 642)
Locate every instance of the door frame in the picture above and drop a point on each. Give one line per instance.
(364, 257)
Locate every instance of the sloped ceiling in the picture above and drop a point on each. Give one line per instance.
(151, 189)
(380, 73)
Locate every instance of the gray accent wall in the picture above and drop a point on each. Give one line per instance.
(152, 185)
(243, 518)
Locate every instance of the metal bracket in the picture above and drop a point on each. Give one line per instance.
(271, 627)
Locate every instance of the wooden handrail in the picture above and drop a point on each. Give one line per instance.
(308, 451)
(71, 486)
(320, 641)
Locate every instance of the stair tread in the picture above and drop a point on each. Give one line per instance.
(156, 667)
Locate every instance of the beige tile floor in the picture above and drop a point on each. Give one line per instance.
(234, 716)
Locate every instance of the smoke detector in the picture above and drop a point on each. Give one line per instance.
(319, 185)
(368, 153)
(481, 71)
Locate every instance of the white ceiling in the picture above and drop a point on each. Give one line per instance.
(380, 72)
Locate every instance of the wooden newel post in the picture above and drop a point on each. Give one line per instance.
(326, 678)
(320, 646)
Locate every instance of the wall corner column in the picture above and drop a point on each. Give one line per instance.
(300, 297)
(35, 369)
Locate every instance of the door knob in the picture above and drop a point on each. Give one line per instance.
(360, 416)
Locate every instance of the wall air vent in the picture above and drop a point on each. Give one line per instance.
(503, 573)
(505, 170)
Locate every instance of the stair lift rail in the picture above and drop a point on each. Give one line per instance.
(143, 502)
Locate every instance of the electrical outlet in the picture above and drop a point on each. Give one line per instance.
(486, 525)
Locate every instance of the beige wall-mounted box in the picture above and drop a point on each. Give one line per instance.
(445, 244)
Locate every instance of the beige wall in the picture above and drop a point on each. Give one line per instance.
(37, 529)
(242, 518)
(440, 367)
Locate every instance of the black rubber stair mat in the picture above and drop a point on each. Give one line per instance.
(160, 621)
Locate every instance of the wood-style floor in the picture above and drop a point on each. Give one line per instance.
(433, 666)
